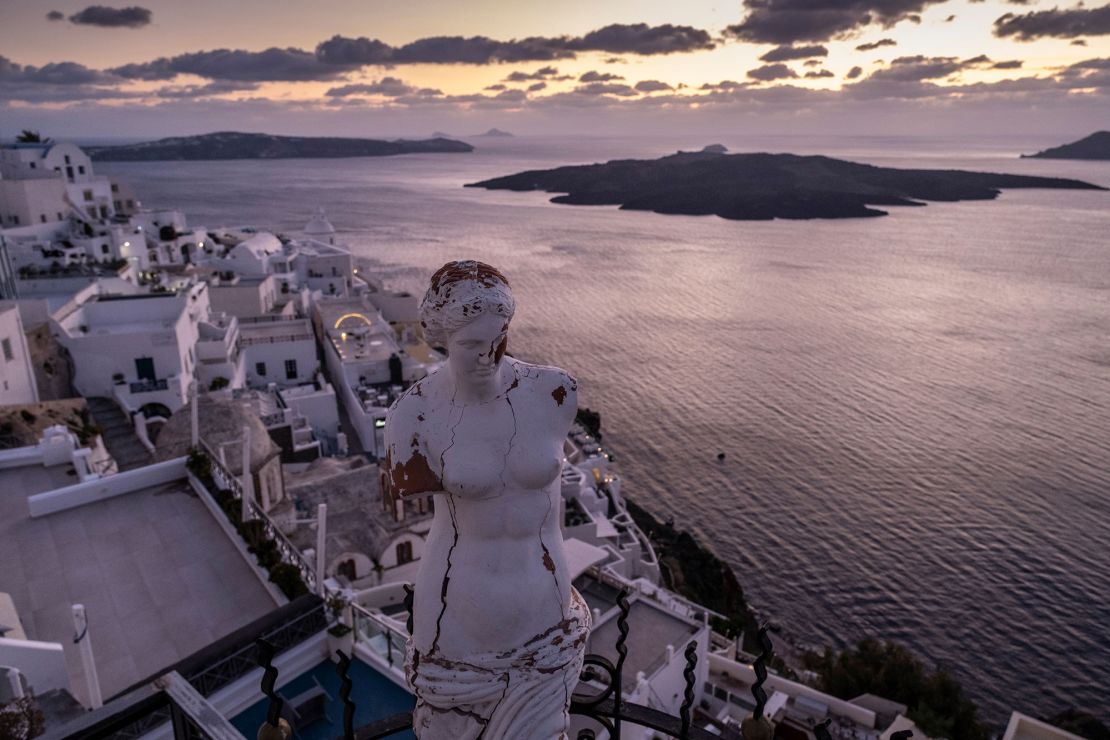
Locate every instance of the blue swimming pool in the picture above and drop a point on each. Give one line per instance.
(375, 697)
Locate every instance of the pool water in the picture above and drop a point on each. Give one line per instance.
(374, 695)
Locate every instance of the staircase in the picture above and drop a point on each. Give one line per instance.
(119, 434)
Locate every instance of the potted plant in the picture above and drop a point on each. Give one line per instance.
(340, 634)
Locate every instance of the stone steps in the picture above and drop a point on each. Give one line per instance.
(119, 435)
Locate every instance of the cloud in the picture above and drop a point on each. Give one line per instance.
(389, 87)
(543, 73)
(1009, 64)
(950, 18)
(786, 53)
(273, 64)
(537, 86)
(813, 62)
(650, 86)
(724, 85)
(872, 45)
(105, 17)
(496, 88)
(819, 73)
(593, 76)
(789, 21)
(1079, 42)
(219, 87)
(919, 67)
(602, 88)
(617, 38)
(640, 38)
(1055, 23)
(53, 73)
(769, 72)
(853, 73)
(55, 15)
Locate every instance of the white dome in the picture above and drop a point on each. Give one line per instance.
(319, 224)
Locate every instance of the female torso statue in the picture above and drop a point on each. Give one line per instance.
(498, 631)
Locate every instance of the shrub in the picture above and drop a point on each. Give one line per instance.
(218, 383)
(288, 579)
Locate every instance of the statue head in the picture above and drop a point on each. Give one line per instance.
(467, 309)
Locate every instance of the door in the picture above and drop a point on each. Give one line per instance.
(144, 368)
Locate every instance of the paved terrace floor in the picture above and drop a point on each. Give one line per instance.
(158, 577)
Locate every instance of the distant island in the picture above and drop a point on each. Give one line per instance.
(762, 186)
(1095, 146)
(237, 145)
(494, 133)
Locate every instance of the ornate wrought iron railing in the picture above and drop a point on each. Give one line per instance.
(288, 552)
(599, 696)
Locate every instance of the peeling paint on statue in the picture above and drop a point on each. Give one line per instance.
(498, 631)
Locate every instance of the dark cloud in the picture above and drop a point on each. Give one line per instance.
(496, 88)
(637, 38)
(105, 17)
(344, 51)
(813, 62)
(769, 72)
(55, 15)
(789, 21)
(53, 73)
(1055, 23)
(1009, 64)
(919, 67)
(950, 18)
(543, 73)
(650, 86)
(786, 53)
(724, 85)
(871, 45)
(640, 38)
(593, 76)
(819, 73)
(537, 86)
(614, 60)
(219, 87)
(853, 73)
(603, 88)
(273, 64)
(390, 87)
(1079, 42)
(981, 59)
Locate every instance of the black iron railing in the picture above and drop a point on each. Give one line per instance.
(599, 695)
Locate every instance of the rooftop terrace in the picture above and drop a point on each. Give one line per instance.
(158, 577)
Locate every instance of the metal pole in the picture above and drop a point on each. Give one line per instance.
(81, 637)
(321, 543)
(248, 479)
(194, 415)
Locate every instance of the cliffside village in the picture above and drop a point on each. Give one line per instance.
(190, 423)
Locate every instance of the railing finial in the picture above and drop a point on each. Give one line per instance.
(345, 694)
(275, 727)
(688, 695)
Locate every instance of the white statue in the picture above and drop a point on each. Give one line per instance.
(498, 631)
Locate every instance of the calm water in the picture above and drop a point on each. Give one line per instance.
(915, 409)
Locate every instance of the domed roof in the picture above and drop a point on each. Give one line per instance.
(319, 224)
(220, 421)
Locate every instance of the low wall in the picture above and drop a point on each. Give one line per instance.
(43, 663)
(20, 457)
(110, 486)
(746, 673)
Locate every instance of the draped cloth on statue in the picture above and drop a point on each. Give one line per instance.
(521, 693)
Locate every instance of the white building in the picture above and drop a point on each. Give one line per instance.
(50, 182)
(140, 349)
(17, 376)
(370, 361)
(278, 350)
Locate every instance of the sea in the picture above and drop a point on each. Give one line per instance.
(914, 409)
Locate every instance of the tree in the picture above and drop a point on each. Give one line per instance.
(27, 136)
(934, 699)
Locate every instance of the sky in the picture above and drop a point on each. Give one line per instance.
(374, 68)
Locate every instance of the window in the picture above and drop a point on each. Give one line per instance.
(67, 159)
(80, 169)
(130, 204)
(59, 215)
(104, 249)
(115, 187)
(42, 216)
(260, 368)
(88, 195)
(104, 211)
(32, 165)
(15, 220)
(290, 369)
(7, 345)
(404, 553)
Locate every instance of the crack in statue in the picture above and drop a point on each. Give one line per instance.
(492, 653)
